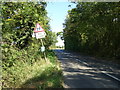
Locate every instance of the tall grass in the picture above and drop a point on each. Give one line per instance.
(39, 74)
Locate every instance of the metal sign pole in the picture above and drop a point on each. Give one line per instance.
(43, 51)
(41, 42)
(39, 33)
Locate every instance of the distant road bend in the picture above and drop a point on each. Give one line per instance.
(82, 72)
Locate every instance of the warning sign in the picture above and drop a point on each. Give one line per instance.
(38, 32)
(38, 28)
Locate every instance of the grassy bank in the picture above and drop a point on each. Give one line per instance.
(40, 74)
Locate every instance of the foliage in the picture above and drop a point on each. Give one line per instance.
(38, 75)
(18, 22)
(20, 52)
(93, 27)
(60, 34)
(51, 39)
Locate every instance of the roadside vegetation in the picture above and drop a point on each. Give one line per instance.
(93, 28)
(33, 74)
(23, 64)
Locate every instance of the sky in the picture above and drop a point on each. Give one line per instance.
(57, 12)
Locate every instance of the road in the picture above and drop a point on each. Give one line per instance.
(82, 72)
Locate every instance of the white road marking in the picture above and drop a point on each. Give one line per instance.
(101, 71)
(82, 62)
(111, 76)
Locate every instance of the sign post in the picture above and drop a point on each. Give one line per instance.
(43, 50)
(39, 33)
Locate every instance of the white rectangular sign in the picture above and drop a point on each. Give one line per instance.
(40, 35)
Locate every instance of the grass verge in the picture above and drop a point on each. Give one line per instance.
(40, 74)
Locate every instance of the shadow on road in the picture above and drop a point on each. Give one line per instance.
(78, 75)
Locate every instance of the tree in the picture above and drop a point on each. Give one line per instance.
(18, 22)
(18, 45)
(60, 34)
(93, 27)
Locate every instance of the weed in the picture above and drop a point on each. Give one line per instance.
(39, 75)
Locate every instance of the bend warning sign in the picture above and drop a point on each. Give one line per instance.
(38, 32)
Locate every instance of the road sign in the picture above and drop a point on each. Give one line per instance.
(40, 35)
(38, 28)
(38, 32)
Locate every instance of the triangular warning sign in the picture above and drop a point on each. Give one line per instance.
(38, 28)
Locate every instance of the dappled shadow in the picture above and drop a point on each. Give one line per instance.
(87, 78)
(49, 78)
(111, 68)
(79, 75)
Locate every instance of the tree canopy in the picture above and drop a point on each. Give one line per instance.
(93, 27)
(19, 19)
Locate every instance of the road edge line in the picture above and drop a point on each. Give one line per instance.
(110, 76)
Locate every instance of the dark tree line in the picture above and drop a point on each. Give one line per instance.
(94, 28)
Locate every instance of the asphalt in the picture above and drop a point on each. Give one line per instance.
(79, 73)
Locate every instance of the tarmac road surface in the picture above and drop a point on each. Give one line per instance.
(80, 73)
